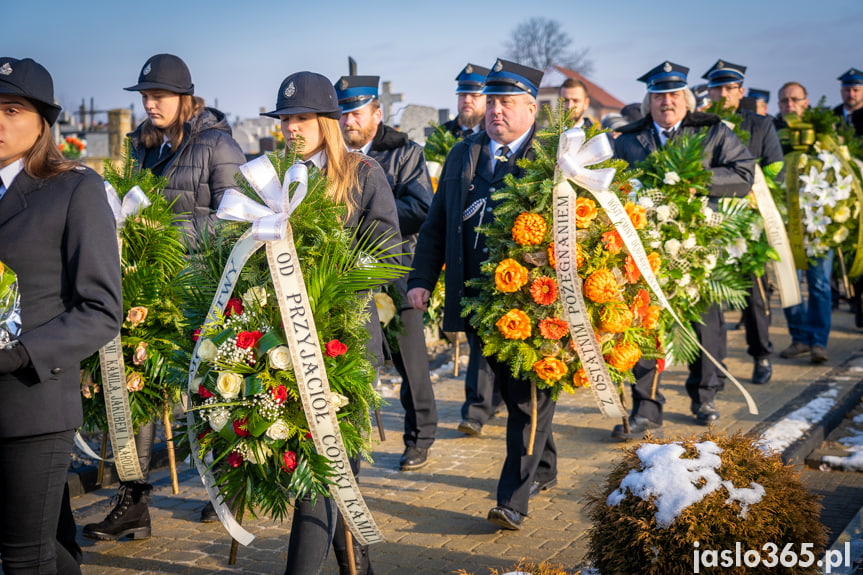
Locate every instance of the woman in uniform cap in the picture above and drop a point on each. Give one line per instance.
(57, 233)
(308, 108)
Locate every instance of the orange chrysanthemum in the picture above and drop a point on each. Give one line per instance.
(553, 328)
(640, 303)
(612, 241)
(514, 324)
(630, 270)
(579, 256)
(529, 229)
(549, 369)
(579, 378)
(552, 261)
(651, 318)
(544, 290)
(585, 212)
(601, 286)
(615, 317)
(637, 215)
(655, 261)
(624, 356)
(510, 276)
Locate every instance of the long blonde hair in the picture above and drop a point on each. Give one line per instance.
(152, 137)
(342, 165)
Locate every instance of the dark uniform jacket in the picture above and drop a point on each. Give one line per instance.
(454, 128)
(763, 140)
(58, 235)
(466, 174)
(725, 155)
(856, 118)
(199, 171)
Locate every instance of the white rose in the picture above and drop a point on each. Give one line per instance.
(207, 350)
(229, 384)
(277, 430)
(671, 178)
(255, 296)
(218, 418)
(280, 357)
(257, 452)
(338, 400)
(841, 214)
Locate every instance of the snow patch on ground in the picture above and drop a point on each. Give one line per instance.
(793, 426)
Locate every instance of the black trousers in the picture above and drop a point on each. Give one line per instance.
(417, 395)
(756, 319)
(647, 399)
(32, 479)
(144, 440)
(520, 469)
(704, 379)
(481, 390)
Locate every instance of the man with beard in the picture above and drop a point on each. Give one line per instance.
(575, 100)
(404, 164)
(851, 109)
(471, 102)
(669, 112)
(725, 83)
(474, 169)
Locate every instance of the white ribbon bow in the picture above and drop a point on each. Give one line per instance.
(268, 222)
(133, 202)
(573, 157)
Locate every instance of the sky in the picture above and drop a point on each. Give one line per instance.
(239, 51)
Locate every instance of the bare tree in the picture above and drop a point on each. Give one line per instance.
(540, 42)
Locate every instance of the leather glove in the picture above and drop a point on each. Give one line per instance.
(13, 359)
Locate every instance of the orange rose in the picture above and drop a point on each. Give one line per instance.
(579, 256)
(612, 241)
(655, 261)
(630, 270)
(549, 369)
(585, 212)
(637, 215)
(136, 315)
(624, 356)
(553, 328)
(529, 229)
(552, 261)
(510, 276)
(615, 317)
(601, 286)
(579, 378)
(544, 290)
(514, 324)
(651, 318)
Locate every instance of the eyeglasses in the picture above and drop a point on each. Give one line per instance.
(789, 100)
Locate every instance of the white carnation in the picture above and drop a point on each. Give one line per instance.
(663, 213)
(689, 242)
(684, 281)
(672, 247)
(841, 214)
(671, 178)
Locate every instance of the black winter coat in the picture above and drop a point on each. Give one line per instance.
(763, 140)
(856, 118)
(442, 237)
(58, 235)
(201, 169)
(732, 164)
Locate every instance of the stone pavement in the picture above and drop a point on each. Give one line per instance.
(435, 518)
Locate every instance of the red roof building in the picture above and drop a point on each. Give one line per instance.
(601, 102)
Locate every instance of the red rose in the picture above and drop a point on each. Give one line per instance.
(196, 335)
(308, 435)
(336, 348)
(280, 394)
(241, 427)
(234, 307)
(289, 462)
(247, 339)
(235, 459)
(204, 392)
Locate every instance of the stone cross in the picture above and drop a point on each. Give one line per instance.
(387, 99)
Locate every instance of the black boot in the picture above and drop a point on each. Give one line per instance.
(130, 516)
(361, 553)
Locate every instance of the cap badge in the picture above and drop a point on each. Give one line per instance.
(468, 69)
(290, 90)
(6, 69)
(498, 66)
(720, 64)
(147, 69)
(667, 67)
(343, 84)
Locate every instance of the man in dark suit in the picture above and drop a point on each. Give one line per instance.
(669, 112)
(851, 109)
(471, 102)
(725, 83)
(405, 166)
(474, 169)
(793, 99)
(575, 100)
